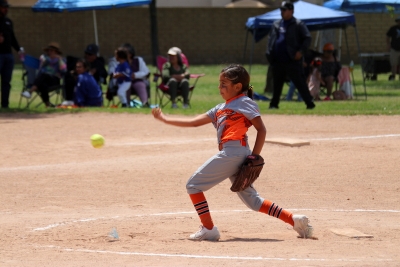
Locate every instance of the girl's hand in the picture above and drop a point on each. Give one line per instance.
(157, 113)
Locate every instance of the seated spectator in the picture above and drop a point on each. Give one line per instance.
(96, 67)
(140, 73)
(175, 75)
(330, 68)
(87, 91)
(51, 70)
(123, 76)
(96, 64)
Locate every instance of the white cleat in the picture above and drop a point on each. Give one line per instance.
(205, 234)
(26, 94)
(302, 227)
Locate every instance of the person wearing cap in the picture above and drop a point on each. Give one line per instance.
(51, 70)
(175, 75)
(330, 68)
(96, 63)
(7, 41)
(393, 46)
(288, 41)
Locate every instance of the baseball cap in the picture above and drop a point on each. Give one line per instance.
(174, 51)
(4, 3)
(287, 5)
(92, 49)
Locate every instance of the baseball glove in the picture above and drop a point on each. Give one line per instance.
(248, 172)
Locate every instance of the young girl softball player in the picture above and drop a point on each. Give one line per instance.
(231, 120)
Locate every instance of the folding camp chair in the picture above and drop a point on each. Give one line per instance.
(162, 91)
(31, 68)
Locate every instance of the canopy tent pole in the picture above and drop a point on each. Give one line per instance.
(348, 56)
(96, 38)
(340, 44)
(316, 40)
(362, 70)
(245, 46)
(252, 49)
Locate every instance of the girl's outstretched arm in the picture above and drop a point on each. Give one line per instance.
(261, 134)
(181, 122)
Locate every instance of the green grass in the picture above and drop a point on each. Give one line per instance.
(383, 96)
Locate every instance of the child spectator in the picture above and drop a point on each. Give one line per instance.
(123, 75)
(87, 91)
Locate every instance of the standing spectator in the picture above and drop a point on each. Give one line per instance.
(393, 46)
(87, 91)
(176, 75)
(7, 41)
(52, 68)
(288, 41)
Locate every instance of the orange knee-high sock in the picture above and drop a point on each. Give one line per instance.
(274, 210)
(200, 204)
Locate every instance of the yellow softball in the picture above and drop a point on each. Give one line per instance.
(97, 140)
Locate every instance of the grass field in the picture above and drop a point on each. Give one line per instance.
(382, 96)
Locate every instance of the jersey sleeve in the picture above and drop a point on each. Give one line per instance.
(249, 108)
(212, 112)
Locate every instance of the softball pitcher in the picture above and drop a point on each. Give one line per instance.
(231, 120)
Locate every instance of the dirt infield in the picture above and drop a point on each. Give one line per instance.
(60, 198)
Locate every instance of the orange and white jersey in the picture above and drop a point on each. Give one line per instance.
(232, 119)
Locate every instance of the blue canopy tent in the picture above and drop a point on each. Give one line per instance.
(314, 16)
(82, 5)
(365, 6)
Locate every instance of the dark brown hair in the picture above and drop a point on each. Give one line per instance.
(84, 64)
(121, 53)
(238, 74)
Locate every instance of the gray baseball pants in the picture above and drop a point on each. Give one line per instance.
(221, 166)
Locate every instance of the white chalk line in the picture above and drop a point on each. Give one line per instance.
(208, 256)
(356, 137)
(54, 225)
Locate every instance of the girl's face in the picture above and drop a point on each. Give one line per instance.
(79, 68)
(173, 59)
(227, 89)
(51, 52)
